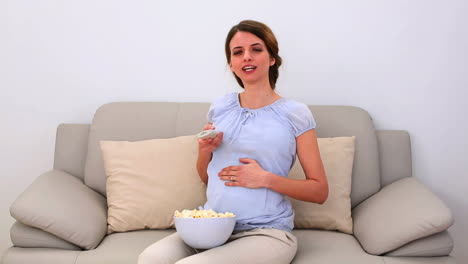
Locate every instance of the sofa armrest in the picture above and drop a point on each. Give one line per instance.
(71, 147)
(400, 213)
(59, 203)
(394, 155)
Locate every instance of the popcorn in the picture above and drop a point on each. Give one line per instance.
(202, 214)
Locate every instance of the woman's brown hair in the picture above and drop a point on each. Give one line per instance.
(264, 33)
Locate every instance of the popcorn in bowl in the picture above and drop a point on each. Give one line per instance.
(202, 214)
(204, 229)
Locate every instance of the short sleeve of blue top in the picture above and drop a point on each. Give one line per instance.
(266, 134)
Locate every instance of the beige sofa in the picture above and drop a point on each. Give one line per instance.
(61, 216)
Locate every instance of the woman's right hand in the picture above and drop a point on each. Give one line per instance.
(210, 144)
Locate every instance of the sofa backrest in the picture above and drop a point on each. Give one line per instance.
(133, 121)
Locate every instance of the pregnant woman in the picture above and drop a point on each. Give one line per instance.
(246, 165)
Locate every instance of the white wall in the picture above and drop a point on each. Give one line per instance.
(406, 62)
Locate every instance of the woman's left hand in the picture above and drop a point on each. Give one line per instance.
(250, 175)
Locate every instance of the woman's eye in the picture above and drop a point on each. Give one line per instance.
(257, 49)
(237, 52)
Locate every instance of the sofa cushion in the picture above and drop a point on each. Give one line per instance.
(30, 237)
(62, 205)
(335, 214)
(17, 255)
(148, 180)
(419, 260)
(319, 246)
(400, 213)
(313, 247)
(122, 248)
(437, 245)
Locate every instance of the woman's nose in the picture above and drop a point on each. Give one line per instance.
(247, 56)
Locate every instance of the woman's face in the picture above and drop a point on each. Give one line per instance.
(250, 59)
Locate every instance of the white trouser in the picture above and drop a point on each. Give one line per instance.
(262, 246)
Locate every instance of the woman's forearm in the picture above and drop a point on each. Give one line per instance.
(308, 190)
(202, 165)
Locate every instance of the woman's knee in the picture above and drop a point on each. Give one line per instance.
(145, 258)
(194, 259)
(154, 257)
(167, 250)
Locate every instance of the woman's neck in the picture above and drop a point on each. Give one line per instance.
(257, 96)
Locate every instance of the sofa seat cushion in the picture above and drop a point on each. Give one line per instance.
(319, 246)
(322, 246)
(315, 246)
(122, 248)
(17, 255)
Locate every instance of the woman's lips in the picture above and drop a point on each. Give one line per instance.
(249, 68)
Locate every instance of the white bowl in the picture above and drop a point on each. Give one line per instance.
(204, 233)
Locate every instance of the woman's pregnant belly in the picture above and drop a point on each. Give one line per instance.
(246, 203)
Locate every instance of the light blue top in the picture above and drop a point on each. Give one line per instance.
(266, 134)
